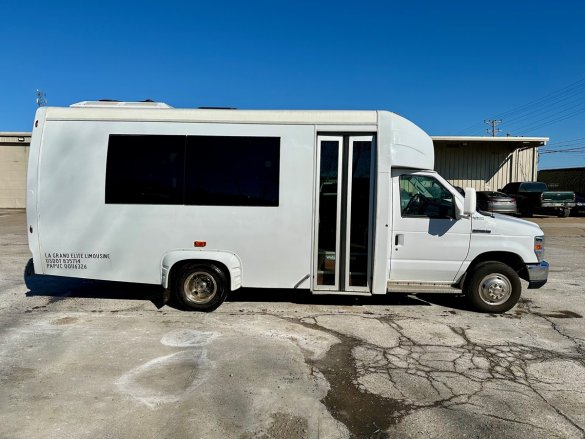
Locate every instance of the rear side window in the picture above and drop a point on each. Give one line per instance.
(145, 169)
(193, 170)
(232, 171)
(533, 187)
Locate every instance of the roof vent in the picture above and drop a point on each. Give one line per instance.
(107, 103)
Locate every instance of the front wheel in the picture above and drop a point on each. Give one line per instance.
(200, 287)
(494, 287)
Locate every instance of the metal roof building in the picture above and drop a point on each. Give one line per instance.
(487, 163)
(566, 179)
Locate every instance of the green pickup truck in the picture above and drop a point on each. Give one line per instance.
(534, 197)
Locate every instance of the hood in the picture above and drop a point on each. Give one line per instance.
(505, 225)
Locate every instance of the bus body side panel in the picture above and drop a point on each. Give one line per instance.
(32, 188)
(81, 236)
(383, 204)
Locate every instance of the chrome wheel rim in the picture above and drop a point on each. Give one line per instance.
(200, 287)
(495, 289)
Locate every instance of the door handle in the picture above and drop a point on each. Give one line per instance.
(399, 239)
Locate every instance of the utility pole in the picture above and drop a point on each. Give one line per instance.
(41, 98)
(493, 124)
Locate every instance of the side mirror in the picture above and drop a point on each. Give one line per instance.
(470, 202)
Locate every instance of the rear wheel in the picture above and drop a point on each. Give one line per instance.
(200, 287)
(494, 287)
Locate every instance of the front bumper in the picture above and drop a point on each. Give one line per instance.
(537, 274)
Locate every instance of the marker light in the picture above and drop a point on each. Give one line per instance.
(539, 247)
(199, 244)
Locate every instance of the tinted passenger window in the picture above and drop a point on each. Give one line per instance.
(232, 171)
(421, 195)
(533, 187)
(145, 169)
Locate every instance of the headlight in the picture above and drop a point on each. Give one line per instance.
(539, 247)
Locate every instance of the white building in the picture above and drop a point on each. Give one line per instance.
(14, 149)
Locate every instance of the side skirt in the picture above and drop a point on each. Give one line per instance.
(423, 287)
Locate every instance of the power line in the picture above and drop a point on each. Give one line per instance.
(554, 106)
(553, 95)
(546, 103)
(532, 126)
(564, 141)
(568, 150)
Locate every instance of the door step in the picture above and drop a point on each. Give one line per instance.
(341, 293)
(422, 287)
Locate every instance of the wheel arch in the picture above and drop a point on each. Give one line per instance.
(513, 260)
(226, 261)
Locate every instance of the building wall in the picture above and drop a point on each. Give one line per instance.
(13, 163)
(485, 166)
(569, 179)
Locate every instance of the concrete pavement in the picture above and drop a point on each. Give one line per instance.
(85, 359)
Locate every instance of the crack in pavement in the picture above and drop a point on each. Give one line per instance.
(374, 387)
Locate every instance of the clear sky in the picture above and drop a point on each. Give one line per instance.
(446, 65)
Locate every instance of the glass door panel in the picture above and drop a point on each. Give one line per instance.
(359, 210)
(344, 206)
(329, 206)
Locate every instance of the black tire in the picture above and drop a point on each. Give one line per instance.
(200, 287)
(493, 287)
(29, 270)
